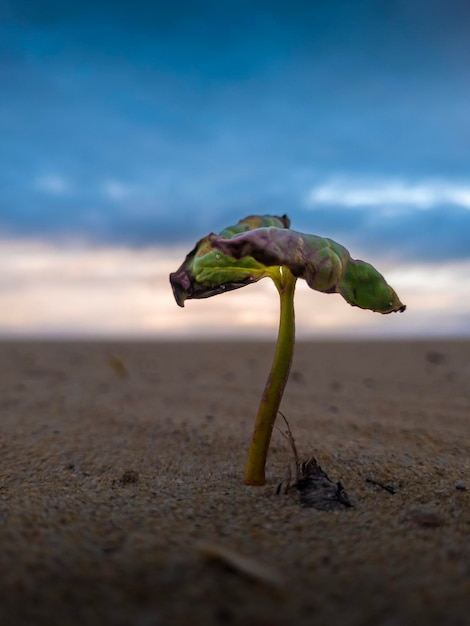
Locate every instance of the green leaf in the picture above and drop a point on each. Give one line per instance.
(324, 264)
(207, 272)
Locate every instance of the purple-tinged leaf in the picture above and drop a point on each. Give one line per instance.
(324, 264)
(207, 272)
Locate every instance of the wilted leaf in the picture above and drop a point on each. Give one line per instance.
(207, 272)
(324, 264)
(318, 491)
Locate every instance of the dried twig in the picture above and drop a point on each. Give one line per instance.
(243, 565)
(388, 488)
(290, 438)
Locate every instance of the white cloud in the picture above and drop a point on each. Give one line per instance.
(117, 190)
(52, 184)
(389, 193)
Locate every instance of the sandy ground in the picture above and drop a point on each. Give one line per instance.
(121, 472)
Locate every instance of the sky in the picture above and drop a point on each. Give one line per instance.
(130, 130)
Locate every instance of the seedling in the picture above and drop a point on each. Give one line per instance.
(264, 246)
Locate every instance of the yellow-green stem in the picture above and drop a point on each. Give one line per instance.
(272, 395)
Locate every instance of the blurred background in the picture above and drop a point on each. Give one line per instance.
(131, 129)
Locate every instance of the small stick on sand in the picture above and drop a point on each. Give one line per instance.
(243, 565)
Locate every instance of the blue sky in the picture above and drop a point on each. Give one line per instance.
(145, 124)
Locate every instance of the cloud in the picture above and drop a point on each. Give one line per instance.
(389, 194)
(53, 184)
(153, 123)
(438, 234)
(117, 190)
(410, 220)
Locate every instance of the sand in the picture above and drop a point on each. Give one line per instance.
(122, 498)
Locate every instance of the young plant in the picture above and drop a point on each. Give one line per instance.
(264, 246)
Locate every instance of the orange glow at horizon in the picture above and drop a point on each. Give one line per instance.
(78, 291)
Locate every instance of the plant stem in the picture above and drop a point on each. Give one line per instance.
(272, 395)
